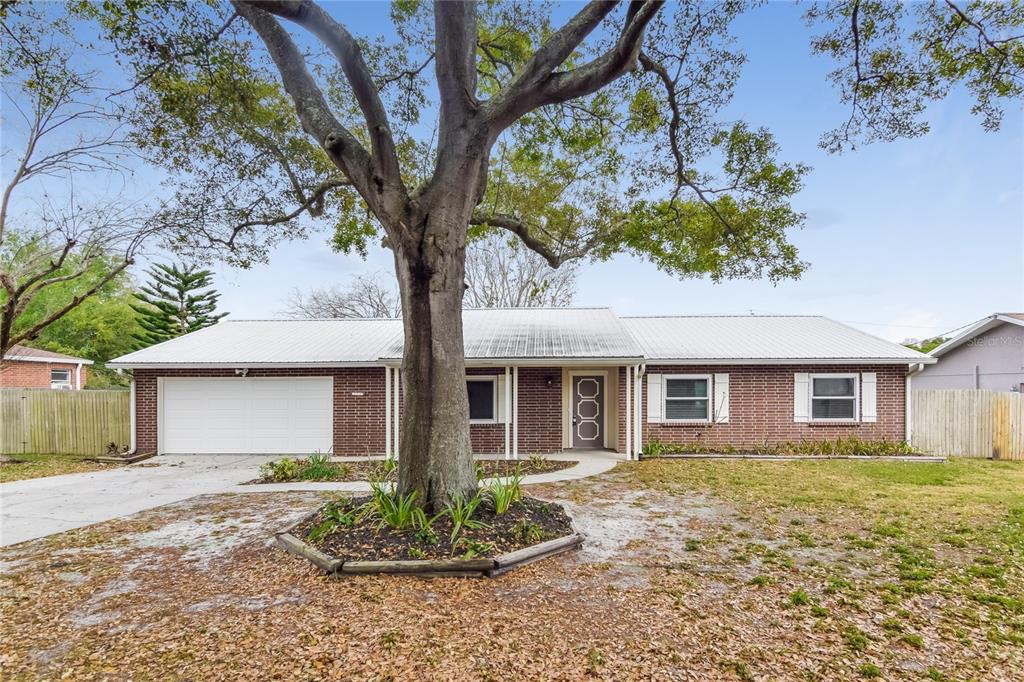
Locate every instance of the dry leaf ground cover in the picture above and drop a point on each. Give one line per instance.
(19, 467)
(692, 570)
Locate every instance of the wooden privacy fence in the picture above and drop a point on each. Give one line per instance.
(968, 423)
(72, 422)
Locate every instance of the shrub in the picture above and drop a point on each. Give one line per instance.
(284, 469)
(318, 466)
(838, 447)
(461, 511)
(396, 511)
(527, 531)
(504, 494)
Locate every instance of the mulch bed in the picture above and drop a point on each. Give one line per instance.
(366, 541)
(363, 470)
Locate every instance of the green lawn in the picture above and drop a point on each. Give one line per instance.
(890, 555)
(30, 465)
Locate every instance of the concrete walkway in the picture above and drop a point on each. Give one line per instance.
(43, 506)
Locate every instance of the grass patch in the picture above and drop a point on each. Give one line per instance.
(24, 466)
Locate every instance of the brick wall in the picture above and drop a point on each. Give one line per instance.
(359, 420)
(540, 413)
(761, 407)
(15, 374)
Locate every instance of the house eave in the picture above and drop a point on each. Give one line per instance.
(52, 361)
(791, 361)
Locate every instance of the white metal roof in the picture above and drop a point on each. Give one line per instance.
(248, 343)
(543, 333)
(564, 335)
(761, 338)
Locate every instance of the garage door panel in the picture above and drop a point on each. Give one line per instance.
(241, 415)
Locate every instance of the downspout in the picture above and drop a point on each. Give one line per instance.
(78, 376)
(131, 419)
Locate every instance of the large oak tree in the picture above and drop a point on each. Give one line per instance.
(583, 131)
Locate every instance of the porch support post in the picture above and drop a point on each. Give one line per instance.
(638, 405)
(398, 403)
(515, 412)
(508, 415)
(629, 412)
(387, 411)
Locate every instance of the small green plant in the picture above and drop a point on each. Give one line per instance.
(284, 469)
(473, 548)
(398, 512)
(417, 553)
(390, 464)
(595, 659)
(914, 640)
(819, 611)
(799, 598)
(527, 531)
(691, 545)
(461, 511)
(336, 515)
(759, 580)
(537, 461)
(870, 670)
(854, 638)
(503, 494)
(317, 467)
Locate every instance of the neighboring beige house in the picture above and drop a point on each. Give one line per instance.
(25, 367)
(989, 354)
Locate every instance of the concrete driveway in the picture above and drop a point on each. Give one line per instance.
(43, 506)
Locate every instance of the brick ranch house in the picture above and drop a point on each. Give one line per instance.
(25, 367)
(538, 381)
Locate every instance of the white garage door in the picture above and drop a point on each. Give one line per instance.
(247, 415)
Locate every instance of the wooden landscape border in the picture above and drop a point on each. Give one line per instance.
(429, 568)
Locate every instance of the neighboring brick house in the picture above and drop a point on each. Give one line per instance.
(25, 367)
(989, 354)
(538, 380)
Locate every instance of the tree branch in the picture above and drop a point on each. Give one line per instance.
(455, 37)
(346, 50)
(562, 86)
(317, 119)
(521, 229)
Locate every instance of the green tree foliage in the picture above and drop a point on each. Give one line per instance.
(99, 328)
(177, 301)
(928, 345)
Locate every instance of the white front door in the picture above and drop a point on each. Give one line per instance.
(287, 415)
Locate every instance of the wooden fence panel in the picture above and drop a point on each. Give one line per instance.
(968, 423)
(72, 422)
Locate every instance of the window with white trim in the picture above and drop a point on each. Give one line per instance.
(687, 398)
(483, 399)
(60, 378)
(833, 397)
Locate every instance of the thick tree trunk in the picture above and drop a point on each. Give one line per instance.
(435, 458)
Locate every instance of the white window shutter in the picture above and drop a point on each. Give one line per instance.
(721, 406)
(868, 397)
(654, 401)
(801, 397)
(501, 407)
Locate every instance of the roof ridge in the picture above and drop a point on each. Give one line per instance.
(657, 317)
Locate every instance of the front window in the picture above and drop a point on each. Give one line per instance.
(834, 397)
(483, 394)
(60, 378)
(686, 398)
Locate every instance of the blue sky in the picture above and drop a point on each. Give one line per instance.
(906, 239)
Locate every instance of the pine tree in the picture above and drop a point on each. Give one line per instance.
(176, 302)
